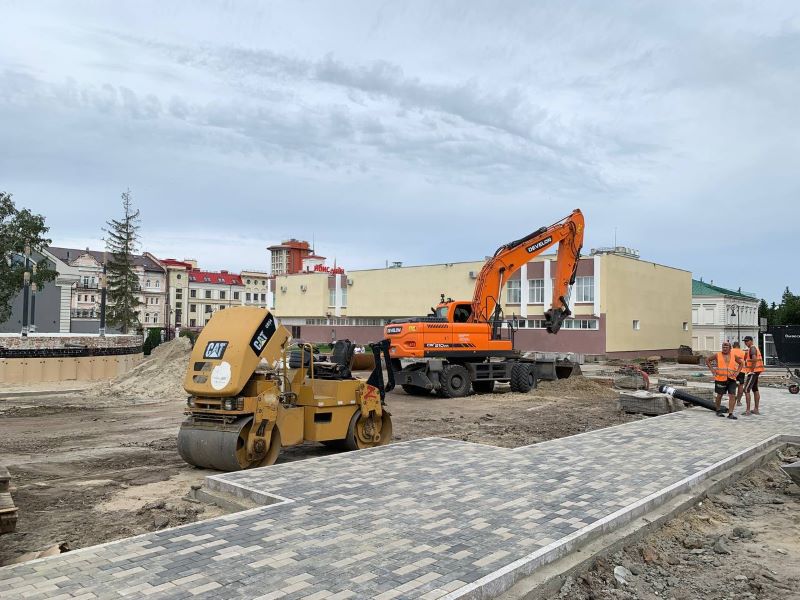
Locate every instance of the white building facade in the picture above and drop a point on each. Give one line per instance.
(721, 315)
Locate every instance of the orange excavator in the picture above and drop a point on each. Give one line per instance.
(461, 344)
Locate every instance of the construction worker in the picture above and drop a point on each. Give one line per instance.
(754, 366)
(725, 370)
(737, 351)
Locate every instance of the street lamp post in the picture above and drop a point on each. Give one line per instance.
(26, 285)
(102, 330)
(735, 311)
(34, 289)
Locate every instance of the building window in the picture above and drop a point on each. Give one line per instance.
(248, 282)
(192, 293)
(685, 326)
(695, 315)
(247, 297)
(222, 294)
(263, 297)
(264, 282)
(222, 308)
(193, 308)
(584, 289)
(179, 305)
(147, 284)
(636, 324)
(158, 283)
(535, 291)
(92, 298)
(178, 276)
(344, 297)
(179, 294)
(513, 291)
(331, 297)
(208, 308)
(208, 294)
(235, 295)
(192, 322)
(581, 324)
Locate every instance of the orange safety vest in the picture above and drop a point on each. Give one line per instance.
(726, 369)
(739, 353)
(754, 365)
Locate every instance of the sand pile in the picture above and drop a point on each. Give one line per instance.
(159, 377)
(576, 386)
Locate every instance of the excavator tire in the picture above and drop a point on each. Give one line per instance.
(415, 390)
(483, 386)
(454, 381)
(523, 378)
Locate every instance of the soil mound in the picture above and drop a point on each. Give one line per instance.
(576, 386)
(158, 378)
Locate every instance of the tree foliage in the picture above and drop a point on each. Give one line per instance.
(19, 227)
(122, 242)
(785, 313)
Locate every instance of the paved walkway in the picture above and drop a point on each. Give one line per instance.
(429, 518)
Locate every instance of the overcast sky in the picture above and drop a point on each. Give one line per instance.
(411, 130)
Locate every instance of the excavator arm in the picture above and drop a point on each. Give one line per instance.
(509, 258)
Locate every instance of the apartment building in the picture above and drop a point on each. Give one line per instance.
(257, 288)
(287, 257)
(81, 272)
(622, 305)
(208, 292)
(721, 315)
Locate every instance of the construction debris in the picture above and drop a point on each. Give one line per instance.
(8, 512)
(648, 403)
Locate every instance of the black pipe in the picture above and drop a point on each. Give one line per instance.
(671, 391)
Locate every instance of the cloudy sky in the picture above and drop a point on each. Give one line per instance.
(411, 130)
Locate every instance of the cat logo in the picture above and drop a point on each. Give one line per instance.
(215, 350)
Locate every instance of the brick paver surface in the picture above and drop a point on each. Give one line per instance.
(431, 518)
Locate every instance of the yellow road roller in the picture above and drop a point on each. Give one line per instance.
(245, 403)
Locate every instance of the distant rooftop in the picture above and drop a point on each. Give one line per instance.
(68, 255)
(701, 288)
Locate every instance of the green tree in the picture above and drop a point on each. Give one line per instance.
(763, 311)
(123, 284)
(789, 308)
(19, 227)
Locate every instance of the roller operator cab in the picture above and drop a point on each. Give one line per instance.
(245, 404)
(467, 344)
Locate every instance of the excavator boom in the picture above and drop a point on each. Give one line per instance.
(509, 258)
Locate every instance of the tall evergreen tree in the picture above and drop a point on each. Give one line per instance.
(122, 243)
(763, 311)
(18, 227)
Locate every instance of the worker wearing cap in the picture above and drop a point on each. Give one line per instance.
(754, 366)
(737, 351)
(726, 368)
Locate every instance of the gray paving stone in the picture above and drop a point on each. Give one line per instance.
(431, 518)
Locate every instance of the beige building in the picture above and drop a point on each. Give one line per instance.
(257, 289)
(208, 292)
(85, 268)
(622, 305)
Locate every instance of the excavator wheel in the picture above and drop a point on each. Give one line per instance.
(223, 447)
(359, 434)
(454, 381)
(523, 378)
(483, 386)
(415, 390)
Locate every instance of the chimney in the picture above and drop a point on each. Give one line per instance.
(224, 272)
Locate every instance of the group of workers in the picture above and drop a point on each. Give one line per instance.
(736, 372)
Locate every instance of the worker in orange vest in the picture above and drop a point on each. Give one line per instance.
(725, 368)
(754, 366)
(737, 351)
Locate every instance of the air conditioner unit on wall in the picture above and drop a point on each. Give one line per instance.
(303, 288)
(349, 281)
(283, 288)
(473, 274)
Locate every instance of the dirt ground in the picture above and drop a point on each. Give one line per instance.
(741, 543)
(102, 463)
